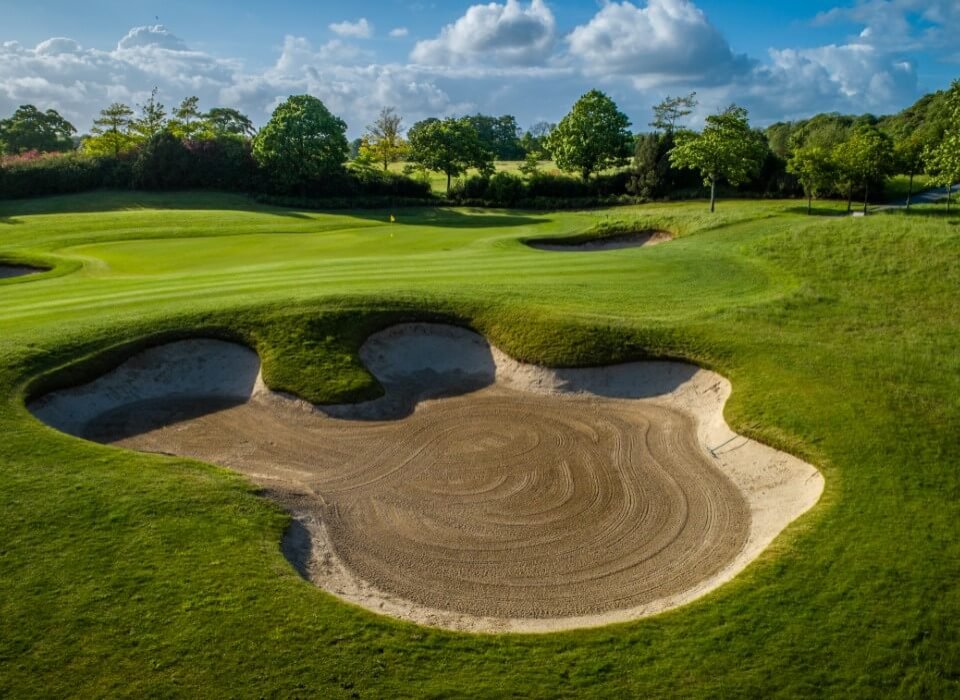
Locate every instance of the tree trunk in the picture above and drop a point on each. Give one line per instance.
(910, 190)
(448, 183)
(713, 195)
(809, 204)
(850, 199)
(949, 192)
(866, 196)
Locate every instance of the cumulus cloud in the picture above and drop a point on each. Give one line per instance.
(503, 34)
(666, 42)
(900, 24)
(361, 29)
(155, 37)
(398, 32)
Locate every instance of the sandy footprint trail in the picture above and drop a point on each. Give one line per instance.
(479, 493)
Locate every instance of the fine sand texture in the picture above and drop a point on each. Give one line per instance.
(7, 271)
(478, 493)
(639, 239)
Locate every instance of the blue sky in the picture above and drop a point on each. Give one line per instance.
(531, 58)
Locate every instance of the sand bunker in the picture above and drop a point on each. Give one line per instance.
(638, 239)
(479, 493)
(7, 271)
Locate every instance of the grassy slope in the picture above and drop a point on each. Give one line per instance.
(125, 574)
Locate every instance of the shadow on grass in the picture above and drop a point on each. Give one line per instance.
(101, 201)
(448, 218)
(817, 211)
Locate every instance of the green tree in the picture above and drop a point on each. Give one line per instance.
(535, 138)
(383, 140)
(301, 142)
(225, 121)
(188, 122)
(592, 137)
(500, 135)
(667, 113)
(152, 120)
(865, 157)
(943, 159)
(727, 149)
(111, 131)
(814, 168)
(450, 146)
(29, 129)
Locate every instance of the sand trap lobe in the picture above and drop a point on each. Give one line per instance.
(479, 493)
(638, 239)
(8, 271)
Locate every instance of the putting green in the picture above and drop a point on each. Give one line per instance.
(132, 574)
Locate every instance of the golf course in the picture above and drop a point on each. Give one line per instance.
(148, 560)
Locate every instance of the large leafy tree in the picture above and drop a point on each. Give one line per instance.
(534, 140)
(592, 137)
(727, 149)
(865, 157)
(814, 168)
(111, 131)
(501, 135)
(29, 129)
(384, 142)
(943, 159)
(302, 141)
(448, 146)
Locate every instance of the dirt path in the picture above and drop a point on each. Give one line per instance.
(479, 493)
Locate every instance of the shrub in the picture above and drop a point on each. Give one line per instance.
(164, 163)
(505, 189)
(51, 174)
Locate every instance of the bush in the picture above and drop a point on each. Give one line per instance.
(54, 174)
(224, 163)
(505, 189)
(164, 163)
(549, 185)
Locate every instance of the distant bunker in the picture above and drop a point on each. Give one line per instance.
(616, 241)
(478, 493)
(7, 270)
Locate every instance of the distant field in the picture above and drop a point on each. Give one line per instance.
(125, 574)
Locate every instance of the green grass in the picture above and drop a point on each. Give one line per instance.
(125, 574)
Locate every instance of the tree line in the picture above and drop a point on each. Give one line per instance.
(303, 150)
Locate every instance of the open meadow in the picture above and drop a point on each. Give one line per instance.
(133, 574)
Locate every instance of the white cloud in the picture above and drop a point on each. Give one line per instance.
(507, 34)
(399, 32)
(666, 42)
(900, 25)
(361, 29)
(156, 37)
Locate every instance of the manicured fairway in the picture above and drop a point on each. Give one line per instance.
(125, 574)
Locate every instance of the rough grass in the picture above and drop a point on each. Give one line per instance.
(129, 575)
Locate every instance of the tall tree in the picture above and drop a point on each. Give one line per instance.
(533, 142)
(943, 159)
(111, 130)
(188, 122)
(814, 168)
(29, 129)
(450, 146)
(384, 141)
(225, 121)
(152, 120)
(592, 137)
(301, 142)
(865, 157)
(727, 149)
(667, 113)
(500, 135)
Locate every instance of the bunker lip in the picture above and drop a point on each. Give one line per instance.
(617, 241)
(10, 270)
(476, 511)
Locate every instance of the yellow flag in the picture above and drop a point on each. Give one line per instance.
(393, 219)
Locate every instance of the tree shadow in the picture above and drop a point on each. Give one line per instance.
(444, 217)
(102, 201)
(817, 211)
